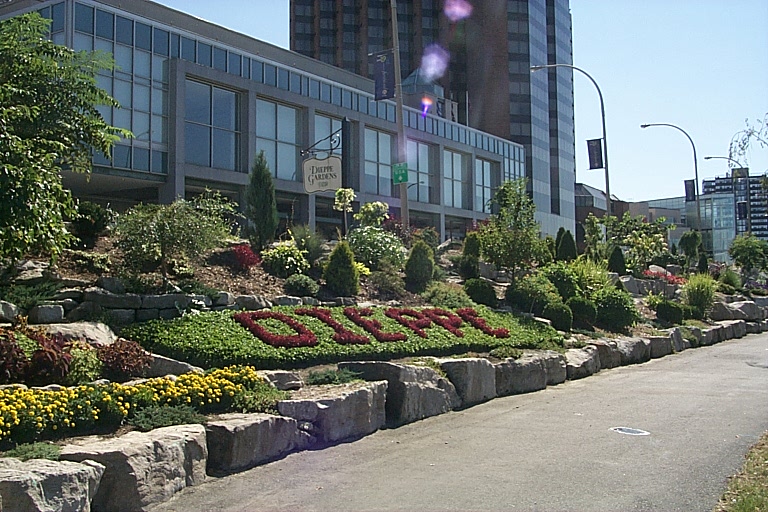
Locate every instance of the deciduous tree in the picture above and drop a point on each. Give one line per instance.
(48, 122)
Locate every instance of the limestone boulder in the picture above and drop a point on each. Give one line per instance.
(287, 300)
(753, 327)
(523, 375)
(711, 335)
(162, 366)
(660, 346)
(252, 302)
(237, 441)
(339, 412)
(111, 284)
(746, 310)
(474, 379)
(95, 333)
(633, 350)
(555, 366)
(721, 311)
(8, 311)
(678, 342)
(46, 485)
(143, 468)
(608, 350)
(283, 380)
(582, 362)
(630, 284)
(46, 314)
(413, 392)
(32, 272)
(110, 300)
(223, 299)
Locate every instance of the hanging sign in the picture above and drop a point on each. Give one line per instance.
(690, 190)
(383, 74)
(595, 150)
(322, 175)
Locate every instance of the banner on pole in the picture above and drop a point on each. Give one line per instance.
(595, 149)
(690, 190)
(383, 74)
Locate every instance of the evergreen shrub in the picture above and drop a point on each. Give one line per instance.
(341, 275)
(419, 267)
(560, 315)
(482, 292)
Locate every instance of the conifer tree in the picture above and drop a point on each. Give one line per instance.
(566, 250)
(260, 204)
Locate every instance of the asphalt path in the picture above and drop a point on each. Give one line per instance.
(553, 450)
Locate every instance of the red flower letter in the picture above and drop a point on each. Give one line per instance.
(304, 338)
(417, 326)
(342, 335)
(446, 320)
(471, 317)
(373, 326)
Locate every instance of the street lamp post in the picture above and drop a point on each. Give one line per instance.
(402, 154)
(695, 166)
(749, 187)
(608, 209)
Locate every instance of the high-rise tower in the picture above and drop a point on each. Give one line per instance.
(489, 76)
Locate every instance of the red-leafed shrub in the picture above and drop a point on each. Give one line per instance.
(342, 335)
(245, 258)
(373, 326)
(123, 359)
(471, 317)
(13, 361)
(418, 325)
(49, 364)
(303, 337)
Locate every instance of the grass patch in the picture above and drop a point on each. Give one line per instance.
(331, 376)
(748, 490)
(156, 416)
(215, 339)
(34, 451)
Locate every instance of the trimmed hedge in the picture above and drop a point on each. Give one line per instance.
(214, 339)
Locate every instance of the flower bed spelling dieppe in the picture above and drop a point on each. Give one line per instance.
(297, 337)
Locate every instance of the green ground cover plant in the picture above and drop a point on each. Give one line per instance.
(216, 339)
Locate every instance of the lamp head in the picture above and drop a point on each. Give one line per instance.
(644, 125)
(536, 68)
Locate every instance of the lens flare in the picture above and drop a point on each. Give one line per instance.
(456, 10)
(426, 102)
(434, 62)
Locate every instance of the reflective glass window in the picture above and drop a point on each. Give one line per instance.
(143, 36)
(220, 59)
(105, 24)
(124, 29)
(84, 18)
(161, 41)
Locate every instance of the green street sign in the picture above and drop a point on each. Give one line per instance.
(400, 173)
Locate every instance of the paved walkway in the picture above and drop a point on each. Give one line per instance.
(547, 451)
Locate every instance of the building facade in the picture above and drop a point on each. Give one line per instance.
(202, 101)
(488, 77)
(749, 201)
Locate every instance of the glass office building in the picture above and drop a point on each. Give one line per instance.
(202, 101)
(488, 76)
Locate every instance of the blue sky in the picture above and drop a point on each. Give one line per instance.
(699, 64)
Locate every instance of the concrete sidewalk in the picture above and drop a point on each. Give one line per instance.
(553, 450)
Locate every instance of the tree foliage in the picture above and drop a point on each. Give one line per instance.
(158, 233)
(372, 214)
(644, 240)
(689, 244)
(510, 238)
(743, 139)
(48, 122)
(566, 249)
(749, 252)
(260, 204)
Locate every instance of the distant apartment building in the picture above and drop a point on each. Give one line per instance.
(488, 84)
